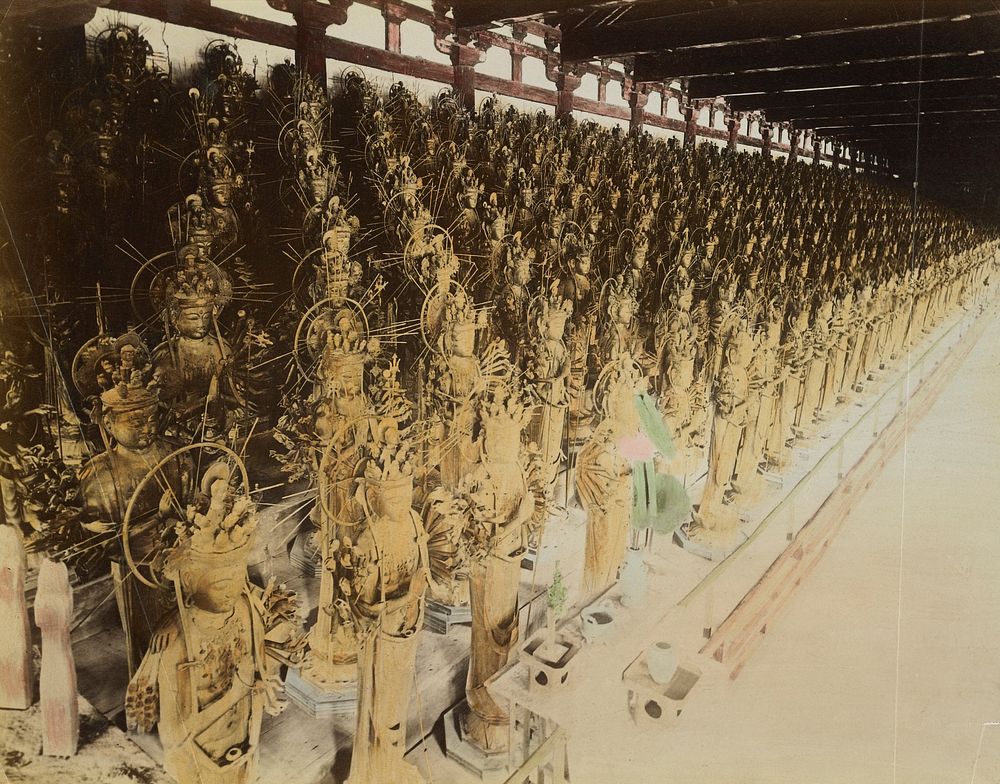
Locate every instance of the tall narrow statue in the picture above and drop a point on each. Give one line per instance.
(604, 473)
(506, 504)
(458, 377)
(17, 673)
(57, 680)
(547, 370)
(194, 364)
(388, 565)
(342, 423)
(715, 521)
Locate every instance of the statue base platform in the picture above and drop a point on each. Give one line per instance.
(330, 699)
(439, 618)
(487, 767)
(705, 548)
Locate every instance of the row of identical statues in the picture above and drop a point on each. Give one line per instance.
(443, 329)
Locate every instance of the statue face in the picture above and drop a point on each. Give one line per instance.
(134, 430)
(216, 583)
(393, 499)
(522, 271)
(194, 322)
(222, 194)
(503, 440)
(555, 327)
(621, 408)
(464, 339)
(349, 398)
(128, 357)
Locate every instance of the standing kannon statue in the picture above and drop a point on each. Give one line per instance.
(681, 396)
(457, 376)
(793, 356)
(206, 680)
(715, 522)
(505, 504)
(514, 294)
(342, 424)
(547, 369)
(818, 342)
(194, 365)
(578, 287)
(604, 472)
(771, 372)
(388, 576)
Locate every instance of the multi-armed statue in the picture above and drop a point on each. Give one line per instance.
(207, 679)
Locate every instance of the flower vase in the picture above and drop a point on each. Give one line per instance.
(634, 579)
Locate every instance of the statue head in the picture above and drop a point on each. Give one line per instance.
(504, 415)
(192, 299)
(219, 177)
(213, 545)
(555, 312)
(615, 392)
(129, 414)
(193, 319)
(461, 322)
(740, 348)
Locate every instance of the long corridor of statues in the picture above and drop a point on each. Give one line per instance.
(254, 327)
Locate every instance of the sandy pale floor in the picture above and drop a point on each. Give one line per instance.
(885, 666)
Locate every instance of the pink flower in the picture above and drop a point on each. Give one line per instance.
(636, 447)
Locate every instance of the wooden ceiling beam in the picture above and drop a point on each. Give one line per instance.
(866, 94)
(640, 29)
(904, 118)
(907, 132)
(867, 108)
(930, 69)
(932, 38)
(477, 14)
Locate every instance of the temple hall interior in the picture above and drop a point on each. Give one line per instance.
(521, 392)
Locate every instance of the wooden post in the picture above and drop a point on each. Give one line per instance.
(309, 37)
(637, 100)
(765, 138)
(793, 145)
(602, 82)
(817, 149)
(566, 83)
(464, 59)
(837, 150)
(516, 58)
(311, 22)
(57, 687)
(394, 16)
(691, 124)
(16, 675)
(733, 123)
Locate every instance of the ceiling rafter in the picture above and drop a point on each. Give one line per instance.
(929, 69)
(633, 32)
(884, 43)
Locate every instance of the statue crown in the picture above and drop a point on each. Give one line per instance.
(220, 524)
